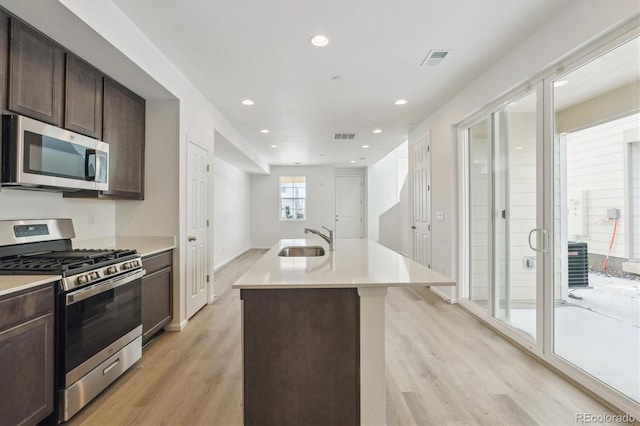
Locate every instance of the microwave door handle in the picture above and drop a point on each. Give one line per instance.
(90, 175)
(99, 173)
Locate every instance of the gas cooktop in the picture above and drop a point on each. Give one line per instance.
(64, 262)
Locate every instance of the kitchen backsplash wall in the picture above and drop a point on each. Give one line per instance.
(91, 218)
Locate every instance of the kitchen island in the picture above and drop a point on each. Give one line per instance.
(313, 331)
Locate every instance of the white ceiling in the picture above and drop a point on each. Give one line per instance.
(259, 49)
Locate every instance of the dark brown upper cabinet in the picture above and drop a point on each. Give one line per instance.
(36, 79)
(123, 129)
(83, 98)
(4, 59)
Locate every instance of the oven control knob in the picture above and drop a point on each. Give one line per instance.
(95, 275)
(112, 270)
(126, 265)
(83, 279)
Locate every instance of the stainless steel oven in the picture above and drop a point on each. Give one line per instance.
(38, 155)
(100, 334)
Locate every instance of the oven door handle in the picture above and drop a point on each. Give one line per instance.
(88, 292)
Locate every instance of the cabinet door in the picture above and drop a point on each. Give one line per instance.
(83, 100)
(26, 377)
(156, 302)
(37, 75)
(4, 60)
(124, 131)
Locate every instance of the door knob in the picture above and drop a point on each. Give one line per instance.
(191, 239)
(413, 227)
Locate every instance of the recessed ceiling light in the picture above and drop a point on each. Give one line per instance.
(338, 79)
(274, 146)
(365, 146)
(401, 102)
(376, 131)
(265, 131)
(559, 83)
(319, 40)
(247, 102)
(352, 161)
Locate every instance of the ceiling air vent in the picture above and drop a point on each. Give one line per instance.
(434, 57)
(343, 136)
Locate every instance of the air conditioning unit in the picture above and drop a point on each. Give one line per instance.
(578, 264)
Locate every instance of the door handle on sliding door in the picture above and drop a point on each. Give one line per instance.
(545, 240)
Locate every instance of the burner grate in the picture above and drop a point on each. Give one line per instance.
(65, 262)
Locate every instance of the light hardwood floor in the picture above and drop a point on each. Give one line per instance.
(444, 367)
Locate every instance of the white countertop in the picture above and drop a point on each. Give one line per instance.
(354, 263)
(13, 283)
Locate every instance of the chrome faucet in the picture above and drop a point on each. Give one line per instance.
(328, 239)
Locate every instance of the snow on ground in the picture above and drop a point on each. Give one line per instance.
(615, 297)
(599, 333)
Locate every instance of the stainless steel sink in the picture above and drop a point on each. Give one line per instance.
(301, 251)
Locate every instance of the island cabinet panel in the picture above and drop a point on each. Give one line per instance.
(301, 351)
(83, 98)
(157, 288)
(26, 356)
(124, 121)
(36, 79)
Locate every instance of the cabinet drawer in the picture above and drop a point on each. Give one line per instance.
(157, 261)
(14, 309)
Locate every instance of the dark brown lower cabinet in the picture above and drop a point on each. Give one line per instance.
(157, 291)
(26, 356)
(301, 350)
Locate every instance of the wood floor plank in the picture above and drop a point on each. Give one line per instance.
(444, 367)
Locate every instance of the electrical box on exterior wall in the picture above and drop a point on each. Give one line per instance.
(577, 215)
(613, 213)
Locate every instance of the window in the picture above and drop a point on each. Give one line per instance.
(293, 192)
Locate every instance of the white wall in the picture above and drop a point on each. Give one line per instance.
(266, 226)
(587, 20)
(231, 213)
(23, 204)
(387, 180)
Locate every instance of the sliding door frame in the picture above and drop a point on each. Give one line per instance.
(543, 347)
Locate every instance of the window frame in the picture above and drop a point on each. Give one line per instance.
(293, 199)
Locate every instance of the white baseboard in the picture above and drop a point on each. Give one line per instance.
(449, 299)
(176, 327)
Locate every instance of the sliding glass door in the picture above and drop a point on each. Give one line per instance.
(515, 263)
(551, 217)
(479, 163)
(596, 309)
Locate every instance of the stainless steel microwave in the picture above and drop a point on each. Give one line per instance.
(38, 155)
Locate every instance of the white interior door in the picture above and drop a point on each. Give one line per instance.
(421, 197)
(197, 241)
(348, 207)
